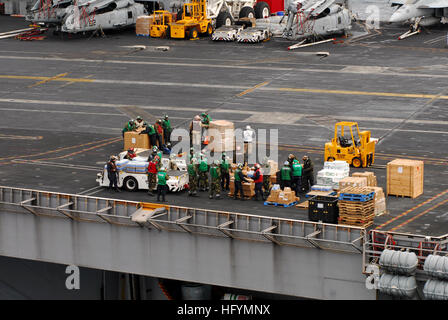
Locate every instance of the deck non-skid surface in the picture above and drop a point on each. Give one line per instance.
(64, 102)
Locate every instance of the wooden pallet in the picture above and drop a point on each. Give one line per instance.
(267, 203)
(303, 205)
(356, 190)
(351, 217)
(356, 208)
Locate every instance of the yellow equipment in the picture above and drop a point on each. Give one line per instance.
(160, 24)
(350, 145)
(194, 21)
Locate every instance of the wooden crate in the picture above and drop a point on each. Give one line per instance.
(405, 178)
(134, 140)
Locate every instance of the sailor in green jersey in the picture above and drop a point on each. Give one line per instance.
(205, 119)
(192, 177)
(130, 126)
(149, 129)
(162, 178)
(266, 170)
(166, 125)
(239, 178)
(225, 176)
(285, 176)
(296, 172)
(203, 174)
(215, 184)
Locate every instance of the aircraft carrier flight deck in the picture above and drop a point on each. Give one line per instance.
(64, 101)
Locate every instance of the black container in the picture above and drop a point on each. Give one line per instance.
(322, 208)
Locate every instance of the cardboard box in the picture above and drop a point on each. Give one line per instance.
(352, 182)
(248, 189)
(405, 178)
(286, 196)
(273, 196)
(371, 178)
(142, 25)
(222, 134)
(380, 200)
(134, 140)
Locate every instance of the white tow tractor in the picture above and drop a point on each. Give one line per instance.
(133, 176)
(254, 35)
(226, 33)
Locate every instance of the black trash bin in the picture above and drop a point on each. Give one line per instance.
(323, 208)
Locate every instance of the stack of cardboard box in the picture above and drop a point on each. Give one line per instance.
(371, 178)
(380, 200)
(405, 178)
(142, 25)
(352, 182)
(248, 188)
(285, 196)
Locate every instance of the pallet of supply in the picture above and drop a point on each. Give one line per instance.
(143, 25)
(360, 194)
(323, 208)
(380, 200)
(371, 178)
(134, 140)
(317, 187)
(222, 136)
(405, 178)
(352, 182)
(332, 173)
(284, 198)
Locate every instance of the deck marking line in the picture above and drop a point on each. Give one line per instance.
(363, 93)
(412, 209)
(253, 88)
(420, 214)
(56, 150)
(61, 75)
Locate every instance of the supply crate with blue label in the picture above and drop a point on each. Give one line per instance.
(323, 208)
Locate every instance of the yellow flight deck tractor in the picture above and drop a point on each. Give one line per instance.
(350, 145)
(193, 22)
(160, 24)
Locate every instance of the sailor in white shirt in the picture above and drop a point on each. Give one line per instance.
(248, 138)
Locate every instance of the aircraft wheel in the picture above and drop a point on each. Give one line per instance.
(224, 19)
(262, 10)
(356, 162)
(130, 184)
(247, 12)
(331, 159)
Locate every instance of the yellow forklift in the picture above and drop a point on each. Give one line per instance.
(193, 21)
(350, 145)
(160, 26)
